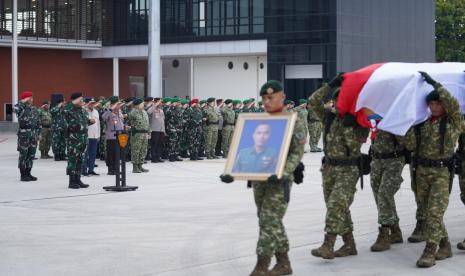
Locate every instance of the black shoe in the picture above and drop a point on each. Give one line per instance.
(73, 184)
(155, 161)
(200, 159)
(33, 178)
(56, 158)
(93, 173)
(81, 184)
(111, 172)
(172, 159)
(161, 160)
(178, 159)
(193, 158)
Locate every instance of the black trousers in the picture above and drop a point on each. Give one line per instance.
(218, 144)
(111, 159)
(157, 140)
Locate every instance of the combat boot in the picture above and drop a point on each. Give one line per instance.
(24, 175)
(142, 169)
(383, 242)
(428, 257)
(56, 157)
(80, 183)
(326, 250)
(396, 234)
(261, 268)
(136, 168)
(461, 245)
(73, 184)
(32, 178)
(349, 248)
(445, 250)
(282, 266)
(417, 235)
(200, 159)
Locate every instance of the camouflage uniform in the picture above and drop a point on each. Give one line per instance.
(45, 139)
(339, 182)
(77, 121)
(59, 133)
(28, 134)
(194, 131)
(140, 128)
(386, 174)
(229, 117)
(102, 145)
(270, 199)
(171, 132)
(179, 119)
(211, 131)
(432, 183)
(184, 141)
(314, 129)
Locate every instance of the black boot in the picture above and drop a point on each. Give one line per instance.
(81, 184)
(177, 158)
(193, 157)
(33, 178)
(73, 184)
(24, 175)
(56, 157)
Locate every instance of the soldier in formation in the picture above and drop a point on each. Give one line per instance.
(59, 130)
(45, 118)
(140, 129)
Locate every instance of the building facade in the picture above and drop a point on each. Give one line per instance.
(221, 48)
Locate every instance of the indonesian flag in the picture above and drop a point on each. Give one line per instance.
(397, 92)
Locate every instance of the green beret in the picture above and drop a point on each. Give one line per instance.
(246, 102)
(271, 87)
(130, 99)
(209, 100)
(203, 102)
(113, 99)
(260, 103)
(175, 100)
(289, 102)
(137, 101)
(235, 102)
(433, 96)
(183, 102)
(167, 99)
(252, 100)
(302, 101)
(228, 101)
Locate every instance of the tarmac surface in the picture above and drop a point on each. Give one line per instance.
(183, 221)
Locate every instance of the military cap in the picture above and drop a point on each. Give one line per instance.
(228, 101)
(113, 99)
(209, 100)
(137, 101)
(271, 87)
(148, 99)
(302, 101)
(246, 102)
(45, 102)
(167, 99)
(76, 95)
(433, 96)
(203, 102)
(183, 101)
(130, 99)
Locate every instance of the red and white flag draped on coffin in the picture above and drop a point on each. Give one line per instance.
(397, 92)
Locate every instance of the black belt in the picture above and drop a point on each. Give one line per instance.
(215, 123)
(389, 155)
(342, 162)
(139, 131)
(435, 163)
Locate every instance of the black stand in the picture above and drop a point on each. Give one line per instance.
(121, 171)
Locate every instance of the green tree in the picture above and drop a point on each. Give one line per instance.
(450, 30)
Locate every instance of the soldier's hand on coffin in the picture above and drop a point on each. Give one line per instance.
(336, 81)
(462, 198)
(226, 178)
(428, 79)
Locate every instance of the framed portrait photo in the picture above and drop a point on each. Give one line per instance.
(260, 145)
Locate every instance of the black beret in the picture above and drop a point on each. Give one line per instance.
(114, 99)
(433, 96)
(271, 87)
(76, 95)
(89, 99)
(157, 99)
(210, 100)
(137, 101)
(130, 99)
(148, 99)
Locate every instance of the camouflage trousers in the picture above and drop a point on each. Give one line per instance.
(58, 142)
(432, 189)
(339, 187)
(227, 134)
(386, 178)
(462, 177)
(77, 144)
(138, 148)
(172, 143)
(420, 212)
(27, 146)
(314, 130)
(211, 137)
(195, 136)
(271, 208)
(102, 147)
(45, 140)
(184, 141)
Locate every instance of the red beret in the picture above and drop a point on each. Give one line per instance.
(26, 94)
(195, 101)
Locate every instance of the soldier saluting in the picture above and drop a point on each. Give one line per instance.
(28, 134)
(271, 198)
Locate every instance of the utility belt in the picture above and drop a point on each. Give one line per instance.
(212, 123)
(389, 155)
(342, 162)
(435, 163)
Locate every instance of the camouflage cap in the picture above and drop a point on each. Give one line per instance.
(271, 87)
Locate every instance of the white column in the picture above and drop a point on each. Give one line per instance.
(154, 62)
(192, 76)
(14, 58)
(116, 77)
